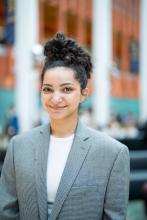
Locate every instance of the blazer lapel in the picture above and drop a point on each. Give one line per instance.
(41, 154)
(75, 160)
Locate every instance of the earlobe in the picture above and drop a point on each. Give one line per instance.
(85, 93)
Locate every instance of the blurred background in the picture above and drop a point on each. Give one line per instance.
(115, 33)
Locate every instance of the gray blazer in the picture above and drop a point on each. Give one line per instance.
(94, 184)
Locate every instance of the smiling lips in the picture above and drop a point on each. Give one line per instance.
(56, 108)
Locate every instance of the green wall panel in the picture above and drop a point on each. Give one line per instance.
(124, 106)
(6, 100)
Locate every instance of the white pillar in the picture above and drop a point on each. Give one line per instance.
(143, 60)
(26, 36)
(102, 49)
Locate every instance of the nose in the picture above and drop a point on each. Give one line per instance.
(56, 98)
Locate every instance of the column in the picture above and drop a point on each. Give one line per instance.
(81, 29)
(143, 61)
(62, 24)
(101, 50)
(26, 37)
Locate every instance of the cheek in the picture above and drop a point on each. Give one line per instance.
(76, 99)
(43, 100)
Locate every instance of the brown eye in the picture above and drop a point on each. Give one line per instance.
(46, 90)
(67, 89)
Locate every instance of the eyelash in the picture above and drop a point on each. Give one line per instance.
(47, 90)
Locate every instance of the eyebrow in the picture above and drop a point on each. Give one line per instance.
(63, 84)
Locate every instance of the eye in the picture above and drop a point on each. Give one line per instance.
(68, 89)
(46, 90)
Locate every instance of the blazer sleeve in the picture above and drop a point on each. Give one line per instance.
(8, 196)
(116, 199)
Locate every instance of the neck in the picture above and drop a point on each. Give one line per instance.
(62, 128)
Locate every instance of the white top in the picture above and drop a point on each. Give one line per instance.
(57, 156)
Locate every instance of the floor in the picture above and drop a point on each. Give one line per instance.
(136, 211)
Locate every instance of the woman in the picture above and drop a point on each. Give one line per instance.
(64, 170)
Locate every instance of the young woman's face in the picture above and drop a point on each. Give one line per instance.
(61, 93)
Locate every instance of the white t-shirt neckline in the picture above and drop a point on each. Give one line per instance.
(59, 148)
(54, 138)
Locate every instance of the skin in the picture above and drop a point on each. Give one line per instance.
(61, 95)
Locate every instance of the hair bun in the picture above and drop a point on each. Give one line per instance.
(67, 50)
(54, 48)
(60, 36)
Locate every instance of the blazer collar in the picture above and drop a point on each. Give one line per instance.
(41, 155)
(79, 150)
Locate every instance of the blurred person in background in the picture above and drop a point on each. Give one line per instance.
(85, 116)
(12, 124)
(122, 126)
(64, 170)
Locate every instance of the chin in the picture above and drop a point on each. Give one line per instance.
(57, 117)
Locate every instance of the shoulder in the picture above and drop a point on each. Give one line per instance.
(28, 138)
(101, 140)
(105, 151)
(31, 133)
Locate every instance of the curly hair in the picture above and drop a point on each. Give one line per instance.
(63, 51)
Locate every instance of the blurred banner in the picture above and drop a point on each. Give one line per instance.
(134, 56)
(10, 19)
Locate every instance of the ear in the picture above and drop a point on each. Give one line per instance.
(84, 94)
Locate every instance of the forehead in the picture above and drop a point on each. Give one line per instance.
(60, 74)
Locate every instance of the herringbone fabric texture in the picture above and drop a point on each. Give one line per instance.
(94, 184)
